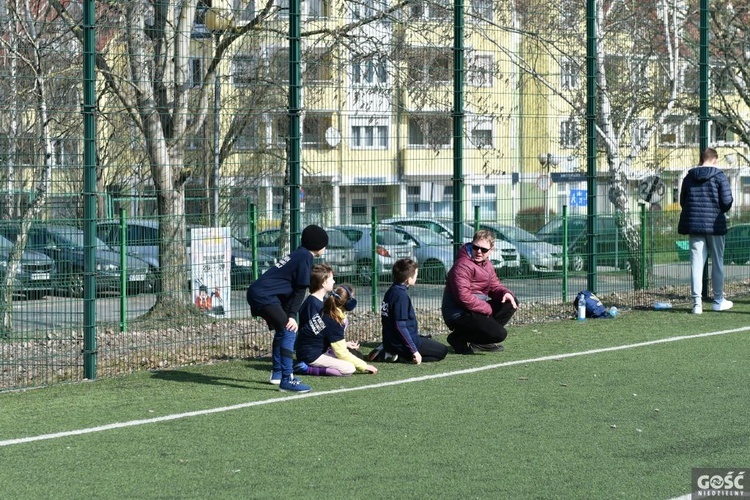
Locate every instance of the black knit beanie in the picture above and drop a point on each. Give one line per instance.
(314, 238)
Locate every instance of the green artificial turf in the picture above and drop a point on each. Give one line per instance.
(627, 423)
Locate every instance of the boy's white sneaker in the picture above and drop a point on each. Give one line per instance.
(698, 309)
(722, 305)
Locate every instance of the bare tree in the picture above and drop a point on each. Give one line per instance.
(729, 74)
(638, 58)
(28, 48)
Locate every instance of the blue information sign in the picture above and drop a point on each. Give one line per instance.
(577, 197)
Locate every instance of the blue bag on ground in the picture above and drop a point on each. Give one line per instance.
(594, 306)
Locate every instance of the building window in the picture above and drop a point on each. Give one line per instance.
(248, 137)
(690, 82)
(245, 8)
(482, 9)
(690, 133)
(280, 66)
(369, 136)
(570, 134)
(722, 79)
(432, 65)
(196, 71)
(279, 131)
(283, 8)
(638, 132)
(481, 137)
(369, 71)
(569, 72)
(432, 10)
(66, 152)
(670, 131)
(366, 8)
(245, 69)
(430, 131)
(570, 15)
(480, 70)
(314, 126)
(318, 9)
(318, 66)
(721, 134)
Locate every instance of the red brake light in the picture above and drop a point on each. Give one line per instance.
(382, 251)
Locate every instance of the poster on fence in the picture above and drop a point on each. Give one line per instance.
(211, 263)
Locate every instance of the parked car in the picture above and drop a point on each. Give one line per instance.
(537, 256)
(340, 253)
(505, 259)
(443, 227)
(37, 273)
(390, 246)
(736, 245)
(433, 252)
(65, 246)
(142, 238)
(610, 249)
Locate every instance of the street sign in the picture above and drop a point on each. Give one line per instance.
(577, 198)
(652, 189)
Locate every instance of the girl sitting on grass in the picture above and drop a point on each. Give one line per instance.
(321, 344)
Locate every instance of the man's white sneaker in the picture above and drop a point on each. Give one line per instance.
(722, 305)
(698, 309)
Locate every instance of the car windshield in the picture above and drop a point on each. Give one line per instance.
(390, 237)
(74, 238)
(555, 226)
(516, 234)
(337, 239)
(428, 237)
(5, 242)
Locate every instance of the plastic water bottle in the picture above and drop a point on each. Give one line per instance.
(661, 306)
(581, 307)
(613, 312)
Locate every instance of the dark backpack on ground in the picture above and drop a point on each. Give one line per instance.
(594, 306)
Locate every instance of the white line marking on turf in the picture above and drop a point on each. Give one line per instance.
(178, 416)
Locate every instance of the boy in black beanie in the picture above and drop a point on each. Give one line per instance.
(277, 295)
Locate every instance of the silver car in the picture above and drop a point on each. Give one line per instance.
(340, 253)
(433, 251)
(537, 256)
(390, 246)
(505, 259)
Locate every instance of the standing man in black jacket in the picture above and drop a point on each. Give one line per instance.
(705, 198)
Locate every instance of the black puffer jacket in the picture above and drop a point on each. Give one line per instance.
(706, 196)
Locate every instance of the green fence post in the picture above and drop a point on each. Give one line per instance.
(375, 267)
(123, 272)
(565, 254)
(476, 218)
(252, 227)
(89, 190)
(644, 229)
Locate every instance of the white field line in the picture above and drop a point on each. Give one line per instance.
(209, 411)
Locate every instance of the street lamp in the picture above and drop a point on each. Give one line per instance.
(547, 160)
(217, 21)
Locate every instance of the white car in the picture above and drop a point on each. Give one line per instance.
(390, 246)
